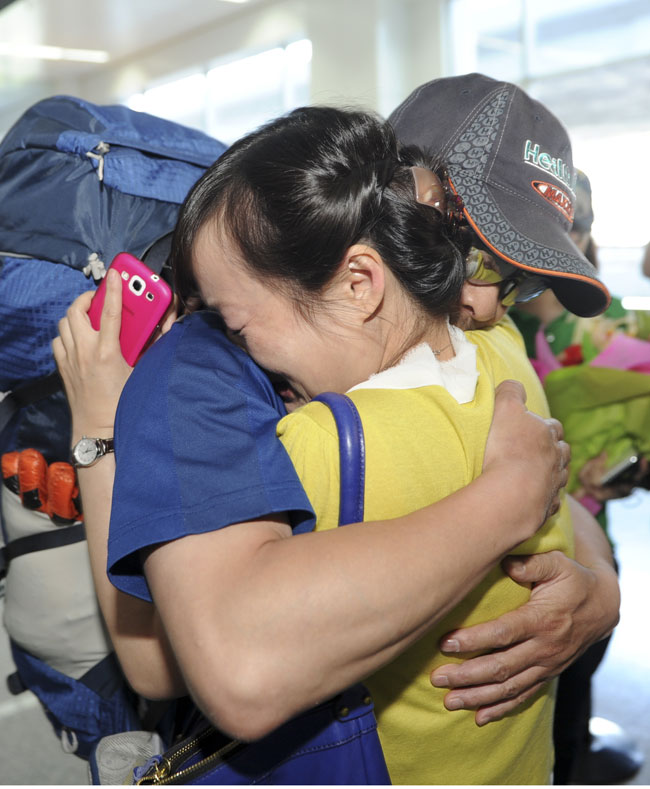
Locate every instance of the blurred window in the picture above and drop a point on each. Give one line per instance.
(234, 97)
(181, 100)
(245, 93)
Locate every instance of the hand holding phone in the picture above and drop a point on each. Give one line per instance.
(624, 471)
(145, 299)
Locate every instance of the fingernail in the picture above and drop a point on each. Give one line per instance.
(454, 704)
(440, 681)
(450, 645)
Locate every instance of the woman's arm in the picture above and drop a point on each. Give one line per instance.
(262, 625)
(133, 624)
(94, 373)
(573, 604)
(270, 623)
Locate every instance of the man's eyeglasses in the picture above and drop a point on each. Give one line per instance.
(515, 285)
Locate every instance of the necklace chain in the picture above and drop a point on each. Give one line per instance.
(440, 350)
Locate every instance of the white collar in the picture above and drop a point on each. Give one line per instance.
(420, 367)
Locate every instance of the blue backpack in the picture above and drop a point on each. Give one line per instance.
(79, 183)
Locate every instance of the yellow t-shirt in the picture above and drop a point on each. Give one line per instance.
(422, 445)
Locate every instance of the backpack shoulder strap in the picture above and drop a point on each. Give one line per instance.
(157, 255)
(352, 455)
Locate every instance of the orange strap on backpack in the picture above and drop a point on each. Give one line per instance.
(50, 489)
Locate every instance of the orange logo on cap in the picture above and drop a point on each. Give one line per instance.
(556, 197)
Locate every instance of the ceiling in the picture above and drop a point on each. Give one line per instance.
(118, 27)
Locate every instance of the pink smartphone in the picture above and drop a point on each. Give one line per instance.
(145, 298)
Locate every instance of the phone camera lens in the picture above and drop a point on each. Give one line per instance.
(137, 285)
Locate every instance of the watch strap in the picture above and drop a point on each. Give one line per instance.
(106, 445)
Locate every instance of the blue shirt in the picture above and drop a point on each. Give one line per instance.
(195, 448)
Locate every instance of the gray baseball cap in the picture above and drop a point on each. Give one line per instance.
(509, 159)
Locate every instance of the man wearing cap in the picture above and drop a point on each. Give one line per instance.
(509, 161)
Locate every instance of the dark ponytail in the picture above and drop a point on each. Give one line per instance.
(296, 194)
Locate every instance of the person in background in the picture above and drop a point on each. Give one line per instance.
(645, 261)
(583, 219)
(580, 757)
(546, 324)
(572, 339)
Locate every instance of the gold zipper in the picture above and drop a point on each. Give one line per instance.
(163, 771)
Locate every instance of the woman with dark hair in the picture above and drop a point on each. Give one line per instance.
(329, 254)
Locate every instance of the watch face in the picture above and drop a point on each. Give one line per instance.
(85, 451)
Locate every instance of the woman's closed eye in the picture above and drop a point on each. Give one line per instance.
(232, 333)
(237, 338)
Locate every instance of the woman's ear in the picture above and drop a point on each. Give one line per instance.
(361, 281)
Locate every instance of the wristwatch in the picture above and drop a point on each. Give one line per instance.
(89, 450)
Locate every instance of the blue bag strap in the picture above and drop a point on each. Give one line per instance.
(352, 449)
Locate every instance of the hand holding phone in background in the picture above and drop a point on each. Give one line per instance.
(145, 299)
(604, 479)
(623, 471)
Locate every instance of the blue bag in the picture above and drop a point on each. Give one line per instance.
(82, 709)
(335, 743)
(78, 180)
(78, 184)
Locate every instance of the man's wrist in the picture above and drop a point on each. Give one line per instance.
(604, 596)
(510, 485)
